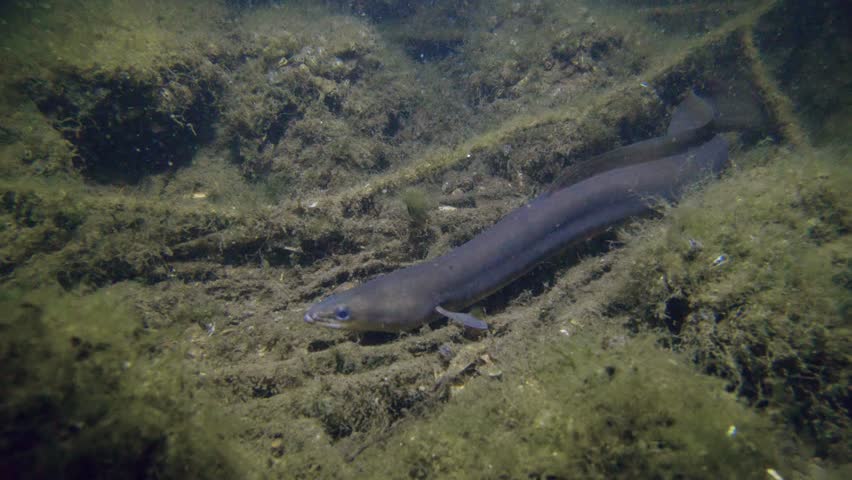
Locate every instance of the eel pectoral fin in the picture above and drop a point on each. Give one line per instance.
(464, 319)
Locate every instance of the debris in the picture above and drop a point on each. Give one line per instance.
(720, 260)
(773, 474)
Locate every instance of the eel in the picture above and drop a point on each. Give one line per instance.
(620, 184)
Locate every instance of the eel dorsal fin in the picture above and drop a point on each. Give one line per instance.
(692, 123)
(691, 114)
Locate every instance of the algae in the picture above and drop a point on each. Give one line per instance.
(83, 397)
(417, 204)
(586, 407)
(772, 318)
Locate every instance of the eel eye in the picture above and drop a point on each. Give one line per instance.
(342, 313)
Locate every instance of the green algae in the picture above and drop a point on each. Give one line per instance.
(80, 75)
(772, 318)
(418, 204)
(83, 396)
(103, 35)
(585, 407)
(58, 231)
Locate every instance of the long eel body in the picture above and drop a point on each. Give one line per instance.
(411, 296)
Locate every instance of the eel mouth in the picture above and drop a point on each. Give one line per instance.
(314, 320)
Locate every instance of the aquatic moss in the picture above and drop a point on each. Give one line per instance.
(586, 407)
(82, 399)
(39, 218)
(337, 106)
(57, 231)
(28, 142)
(104, 36)
(121, 88)
(417, 204)
(751, 278)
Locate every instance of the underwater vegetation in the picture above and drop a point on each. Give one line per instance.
(85, 395)
(599, 409)
(733, 280)
(180, 180)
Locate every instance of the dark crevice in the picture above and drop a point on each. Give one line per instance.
(125, 130)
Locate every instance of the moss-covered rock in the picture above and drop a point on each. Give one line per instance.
(752, 279)
(586, 407)
(84, 398)
(131, 94)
